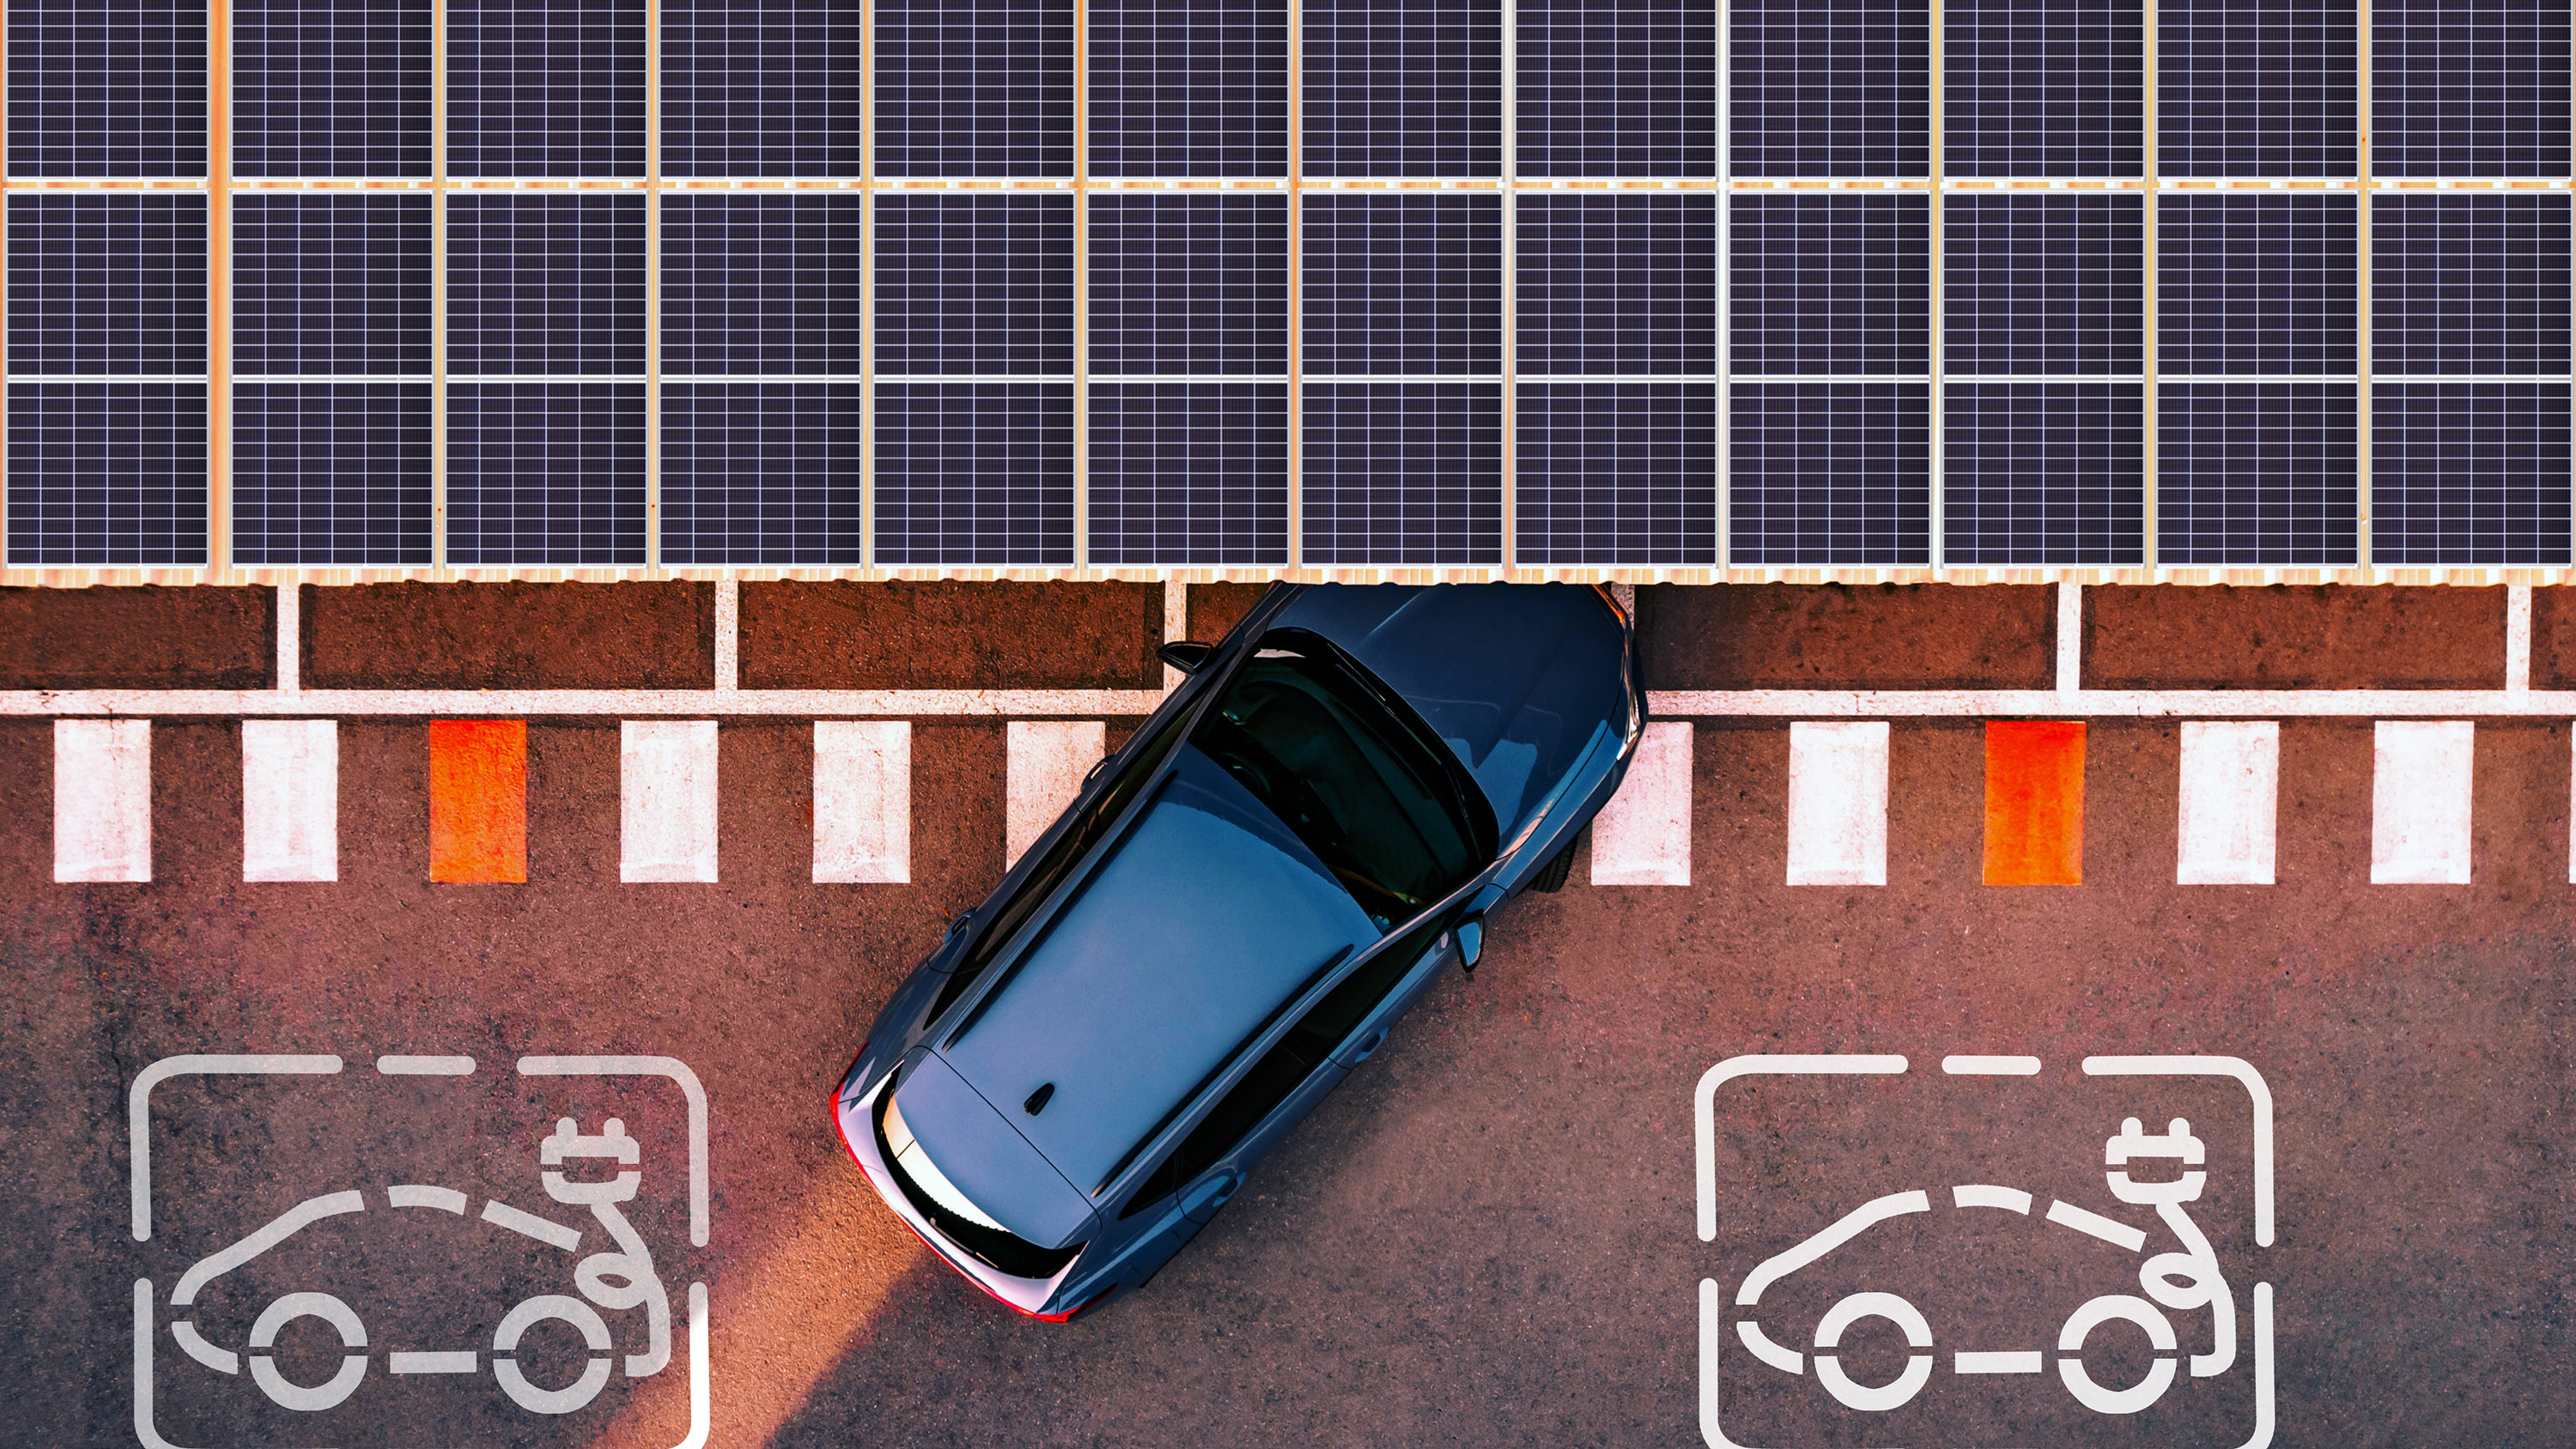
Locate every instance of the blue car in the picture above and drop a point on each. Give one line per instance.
(1241, 902)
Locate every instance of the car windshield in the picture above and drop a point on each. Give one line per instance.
(1374, 794)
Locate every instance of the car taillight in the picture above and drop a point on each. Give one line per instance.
(1067, 1315)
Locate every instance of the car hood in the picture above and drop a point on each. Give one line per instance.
(975, 1147)
(1516, 678)
(1203, 921)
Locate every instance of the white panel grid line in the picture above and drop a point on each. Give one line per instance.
(2419, 802)
(290, 800)
(102, 800)
(1643, 836)
(2230, 797)
(667, 788)
(1047, 761)
(862, 802)
(1838, 803)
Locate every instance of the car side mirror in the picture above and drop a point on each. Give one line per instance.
(1186, 655)
(1471, 941)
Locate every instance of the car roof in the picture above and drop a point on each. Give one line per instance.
(1124, 1045)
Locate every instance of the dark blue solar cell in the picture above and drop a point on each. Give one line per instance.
(1403, 473)
(331, 473)
(1615, 473)
(1189, 283)
(1403, 88)
(761, 88)
(106, 283)
(2043, 474)
(331, 283)
(106, 89)
(331, 88)
(2468, 88)
(545, 283)
(977, 473)
(2469, 473)
(761, 473)
(1189, 88)
(974, 87)
(2257, 88)
(107, 474)
(761, 282)
(974, 283)
(1829, 473)
(1403, 283)
(2256, 473)
(545, 473)
(2045, 283)
(1837, 88)
(1189, 473)
(1615, 88)
(2462, 283)
(1616, 283)
(2266, 283)
(545, 88)
(2043, 88)
(1832, 283)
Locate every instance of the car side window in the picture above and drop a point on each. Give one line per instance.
(1286, 1066)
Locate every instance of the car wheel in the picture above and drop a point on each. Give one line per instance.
(1552, 875)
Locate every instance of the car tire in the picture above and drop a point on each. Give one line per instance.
(1552, 876)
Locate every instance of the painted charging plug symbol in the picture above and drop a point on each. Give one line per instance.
(618, 1280)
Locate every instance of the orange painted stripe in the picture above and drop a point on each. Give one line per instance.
(2034, 802)
(478, 800)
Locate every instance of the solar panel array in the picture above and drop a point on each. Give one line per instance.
(1564, 285)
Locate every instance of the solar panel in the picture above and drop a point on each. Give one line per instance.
(545, 87)
(2043, 474)
(331, 473)
(327, 282)
(107, 473)
(2042, 283)
(1615, 473)
(1403, 88)
(761, 282)
(331, 88)
(2266, 283)
(545, 472)
(974, 283)
(2256, 88)
(1829, 473)
(1403, 283)
(2043, 88)
(107, 89)
(974, 472)
(1403, 473)
(2468, 88)
(106, 283)
(1616, 283)
(1829, 88)
(974, 87)
(2468, 283)
(1830, 283)
(1189, 472)
(545, 283)
(1615, 88)
(1189, 283)
(1189, 88)
(2469, 473)
(2256, 473)
(761, 473)
(761, 88)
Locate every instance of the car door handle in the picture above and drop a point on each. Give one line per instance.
(1368, 1044)
(1202, 1201)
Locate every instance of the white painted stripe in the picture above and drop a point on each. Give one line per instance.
(2109, 1230)
(102, 800)
(1980, 1194)
(501, 1215)
(668, 786)
(862, 801)
(412, 1194)
(1643, 836)
(290, 799)
(2419, 802)
(1974, 1066)
(2070, 636)
(2517, 638)
(2022, 1362)
(1838, 803)
(450, 1361)
(411, 1066)
(1047, 760)
(2231, 787)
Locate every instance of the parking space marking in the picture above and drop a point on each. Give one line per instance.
(2035, 802)
(862, 801)
(1972, 1066)
(2419, 802)
(478, 801)
(290, 800)
(403, 1066)
(1643, 836)
(667, 793)
(2230, 802)
(1838, 803)
(1047, 760)
(102, 800)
